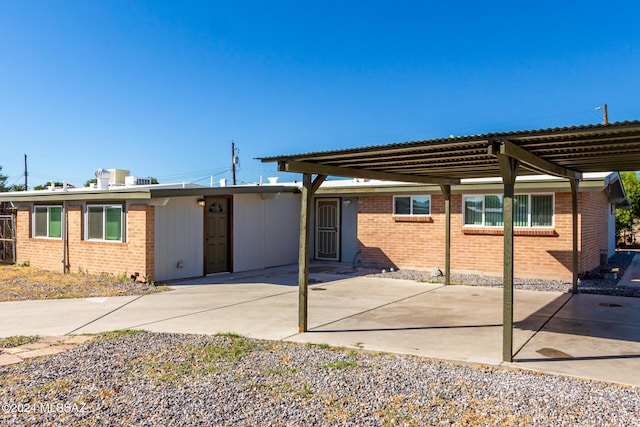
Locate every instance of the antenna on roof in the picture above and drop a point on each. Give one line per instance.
(604, 111)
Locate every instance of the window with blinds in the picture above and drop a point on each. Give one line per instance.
(104, 222)
(530, 210)
(412, 205)
(47, 221)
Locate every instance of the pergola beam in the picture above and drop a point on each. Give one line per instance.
(306, 168)
(508, 148)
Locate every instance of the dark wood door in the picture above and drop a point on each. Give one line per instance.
(216, 235)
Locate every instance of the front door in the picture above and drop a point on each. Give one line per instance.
(216, 235)
(328, 229)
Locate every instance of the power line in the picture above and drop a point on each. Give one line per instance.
(194, 174)
(210, 176)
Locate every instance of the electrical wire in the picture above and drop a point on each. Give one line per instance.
(195, 174)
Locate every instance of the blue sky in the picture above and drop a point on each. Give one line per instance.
(162, 88)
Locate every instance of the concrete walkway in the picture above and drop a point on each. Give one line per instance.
(44, 346)
(631, 277)
(588, 336)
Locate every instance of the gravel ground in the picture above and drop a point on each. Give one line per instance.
(591, 284)
(179, 380)
(20, 283)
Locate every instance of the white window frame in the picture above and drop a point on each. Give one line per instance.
(428, 196)
(529, 213)
(104, 221)
(34, 221)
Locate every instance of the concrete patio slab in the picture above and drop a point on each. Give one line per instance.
(258, 310)
(590, 336)
(454, 322)
(55, 317)
(556, 350)
(177, 310)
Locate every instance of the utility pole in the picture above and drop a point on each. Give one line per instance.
(604, 111)
(26, 182)
(234, 161)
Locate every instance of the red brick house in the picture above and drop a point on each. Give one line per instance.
(157, 232)
(162, 232)
(403, 225)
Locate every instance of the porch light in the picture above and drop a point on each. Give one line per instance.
(201, 203)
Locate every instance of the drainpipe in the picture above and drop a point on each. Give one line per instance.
(63, 231)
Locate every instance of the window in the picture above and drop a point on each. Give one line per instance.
(47, 221)
(529, 210)
(104, 222)
(412, 205)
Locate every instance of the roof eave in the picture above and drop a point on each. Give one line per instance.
(140, 193)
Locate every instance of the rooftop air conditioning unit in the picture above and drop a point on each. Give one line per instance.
(143, 181)
(117, 176)
(135, 180)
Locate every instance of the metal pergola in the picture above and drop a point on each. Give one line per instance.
(564, 152)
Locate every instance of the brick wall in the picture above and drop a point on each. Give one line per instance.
(134, 255)
(383, 241)
(538, 253)
(43, 253)
(593, 228)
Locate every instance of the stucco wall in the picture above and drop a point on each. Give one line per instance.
(265, 231)
(349, 230)
(179, 239)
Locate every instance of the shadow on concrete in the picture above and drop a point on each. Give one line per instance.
(406, 328)
(597, 316)
(579, 358)
(287, 275)
(548, 311)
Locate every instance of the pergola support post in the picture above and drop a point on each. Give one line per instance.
(574, 212)
(446, 192)
(508, 169)
(308, 189)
